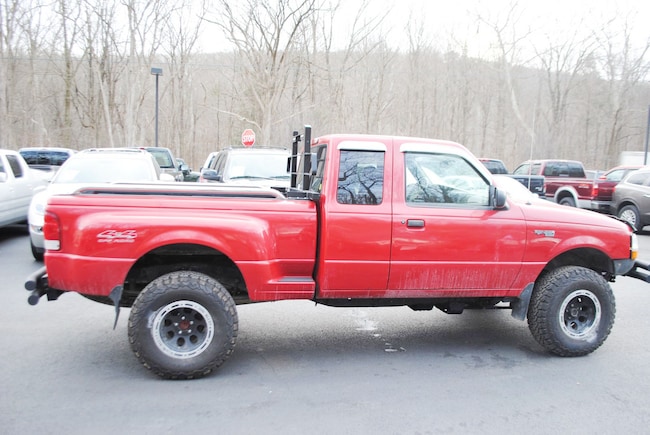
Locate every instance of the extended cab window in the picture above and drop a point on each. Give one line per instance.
(443, 179)
(361, 177)
(320, 155)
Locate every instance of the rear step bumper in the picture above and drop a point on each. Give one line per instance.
(36, 283)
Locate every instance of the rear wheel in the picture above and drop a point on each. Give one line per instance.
(37, 253)
(183, 325)
(571, 311)
(630, 214)
(568, 201)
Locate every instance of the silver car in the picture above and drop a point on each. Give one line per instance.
(631, 199)
(92, 166)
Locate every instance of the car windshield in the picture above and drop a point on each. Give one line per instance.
(104, 169)
(163, 157)
(267, 166)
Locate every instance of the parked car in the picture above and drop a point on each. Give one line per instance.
(249, 166)
(566, 183)
(92, 166)
(593, 174)
(209, 163)
(604, 186)
(495, 166)
(631, 198)
(534, 183)
(18, 183)
(188, 173)
(46, 158)
(166, 161)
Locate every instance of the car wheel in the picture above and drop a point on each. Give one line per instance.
(630, 214)
(568, 201)
(37, 253)
(183, 325)
(571, 311)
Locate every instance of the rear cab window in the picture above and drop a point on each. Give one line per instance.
(361, 177)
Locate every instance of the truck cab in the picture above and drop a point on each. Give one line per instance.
(395, 212)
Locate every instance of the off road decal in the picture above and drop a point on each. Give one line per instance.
(115, 236)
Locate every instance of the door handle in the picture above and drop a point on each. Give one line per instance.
(415, 223)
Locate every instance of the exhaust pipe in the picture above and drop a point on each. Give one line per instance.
(35, 280)
(35, 296)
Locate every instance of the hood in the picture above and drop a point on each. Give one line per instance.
(545, 212)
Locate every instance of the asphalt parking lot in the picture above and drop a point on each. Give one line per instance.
(299, 368)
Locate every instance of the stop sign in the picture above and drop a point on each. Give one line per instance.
(248, 137)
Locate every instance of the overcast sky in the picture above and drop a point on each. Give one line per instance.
(448, 23)
(545, 18)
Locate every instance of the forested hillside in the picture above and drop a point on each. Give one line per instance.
(78, 74)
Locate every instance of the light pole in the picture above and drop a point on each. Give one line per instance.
(157, 72)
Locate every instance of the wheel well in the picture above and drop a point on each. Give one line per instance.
(623, 204)
(585, 257)
(176, 257)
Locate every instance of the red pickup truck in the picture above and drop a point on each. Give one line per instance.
(566, 183)
(369, 221)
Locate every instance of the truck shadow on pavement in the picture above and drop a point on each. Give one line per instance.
(336, 338)
(13, 231)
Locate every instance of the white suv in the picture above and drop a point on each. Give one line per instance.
(248, 166)
(94, 166)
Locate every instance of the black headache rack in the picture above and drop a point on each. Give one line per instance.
(301, 168)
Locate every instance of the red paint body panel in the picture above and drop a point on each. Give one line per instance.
(269, 239)
(300, 249)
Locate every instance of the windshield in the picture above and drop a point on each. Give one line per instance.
(266, 166)
(163, 157)
(105, 169)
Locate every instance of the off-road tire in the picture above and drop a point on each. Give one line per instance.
(183, 325)
(571, 311)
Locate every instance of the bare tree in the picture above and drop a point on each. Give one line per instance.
(624, 65)
(266, 35)
(563, 64)
(182, 32)
(508, 45)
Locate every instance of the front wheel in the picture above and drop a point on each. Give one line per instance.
(183, 325)
(571, 311)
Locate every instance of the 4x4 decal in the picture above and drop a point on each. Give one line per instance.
(114, 236)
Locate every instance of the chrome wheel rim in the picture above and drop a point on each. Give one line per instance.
(182, 329)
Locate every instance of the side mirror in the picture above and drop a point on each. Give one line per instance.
(211, 175)
(497, 198)
(3, 177)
